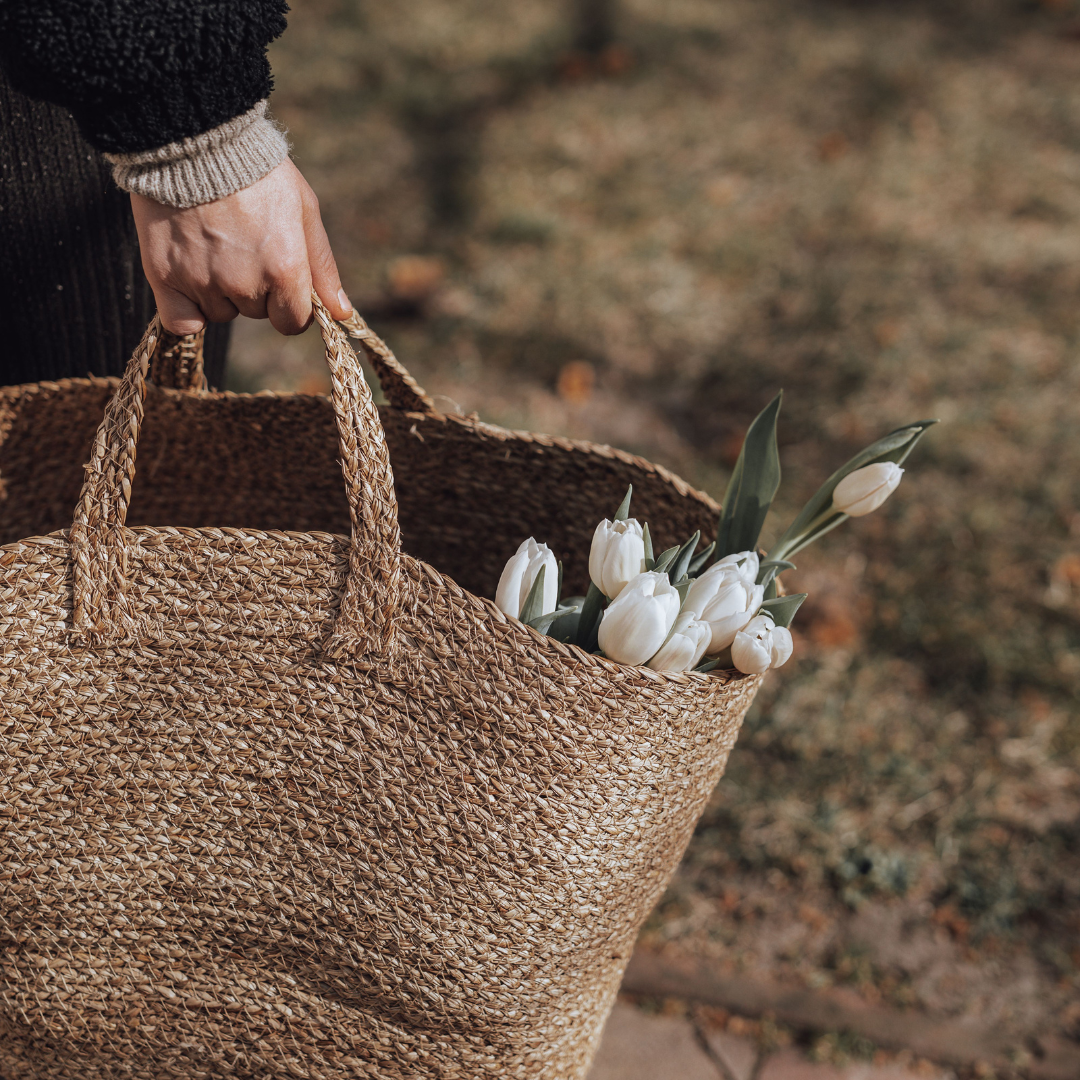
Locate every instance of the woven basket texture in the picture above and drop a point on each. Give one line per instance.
(281, 794)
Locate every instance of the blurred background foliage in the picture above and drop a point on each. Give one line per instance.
(633, 221)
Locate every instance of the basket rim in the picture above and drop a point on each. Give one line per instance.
(468, 421)
(527, 636)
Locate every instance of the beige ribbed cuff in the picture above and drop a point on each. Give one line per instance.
(206, 167)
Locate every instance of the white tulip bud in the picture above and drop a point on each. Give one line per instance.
(616, 556)
(725, 598)
(746, 562)
(635, 625)
(760, 646)
(685, 647)
(866, 489)
(519, 576)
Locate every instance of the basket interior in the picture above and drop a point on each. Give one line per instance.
(468, 494)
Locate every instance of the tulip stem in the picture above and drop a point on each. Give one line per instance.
(772, 569)
(816, 517)
(813, 530)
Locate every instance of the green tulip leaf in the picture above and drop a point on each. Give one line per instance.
(624, 507)
(592, 610)
(543, 623)
(697, 563)
(782, 609)
(534, 602)
(665, 560)
(650, 562)
(681, 563)
(707, 665)
(564, 627)
(753, 484)
(817, 518)
(771, 568)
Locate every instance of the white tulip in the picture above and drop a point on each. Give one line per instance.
(616, 556)
(519, 575)
(760, 646)
(746, 562)
(866, 489)
(636, 624)
(726, 598)
(685, 647)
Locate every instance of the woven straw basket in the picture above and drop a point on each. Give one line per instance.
(278, 799)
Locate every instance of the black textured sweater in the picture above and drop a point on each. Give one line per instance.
(137, 74)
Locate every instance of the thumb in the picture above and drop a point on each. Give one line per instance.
(324, 272)
(179, 315)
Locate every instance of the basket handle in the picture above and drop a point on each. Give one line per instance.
(364, 623)
(178, 362)
(400, 388)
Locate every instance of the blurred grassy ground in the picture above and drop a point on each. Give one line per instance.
(876, 207)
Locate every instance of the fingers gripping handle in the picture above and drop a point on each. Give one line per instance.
(103, 607)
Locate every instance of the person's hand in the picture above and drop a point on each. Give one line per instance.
(258, 252)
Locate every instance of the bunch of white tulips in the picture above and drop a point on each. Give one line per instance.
(693, 611)
(648, 620)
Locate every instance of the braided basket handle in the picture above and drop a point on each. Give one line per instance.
(400, 388)
(177, 362)
(365, 621)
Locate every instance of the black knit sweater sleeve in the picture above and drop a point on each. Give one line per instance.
(137, 74)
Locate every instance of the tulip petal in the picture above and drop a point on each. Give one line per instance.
(684, 647)
(596, 553)
(508, 593)
(865, 489)
(519, 576)
(635, 625)
(749, 655)
(617, 554)
(782, 646)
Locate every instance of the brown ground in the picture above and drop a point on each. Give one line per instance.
(876, 207)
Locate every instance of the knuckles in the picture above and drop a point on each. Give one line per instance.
(288, 271)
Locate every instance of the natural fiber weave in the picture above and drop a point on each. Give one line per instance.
(225, 852)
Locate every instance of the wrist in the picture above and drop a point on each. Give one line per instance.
(206, 167)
